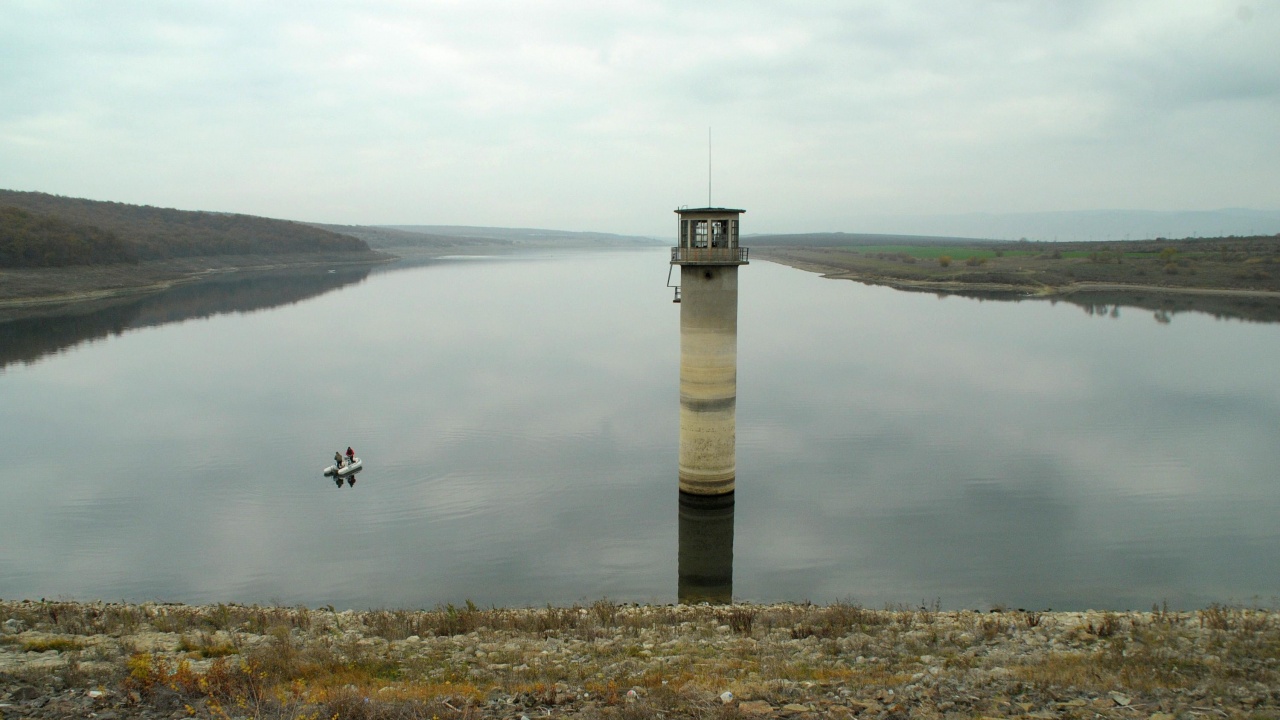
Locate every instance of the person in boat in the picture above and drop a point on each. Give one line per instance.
(337, 459)
(351, 455)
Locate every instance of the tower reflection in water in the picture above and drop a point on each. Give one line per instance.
(706, 549)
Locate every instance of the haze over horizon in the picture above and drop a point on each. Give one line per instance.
(912, 117)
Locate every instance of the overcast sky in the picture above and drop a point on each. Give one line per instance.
(582, 115)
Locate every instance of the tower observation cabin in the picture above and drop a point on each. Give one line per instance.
(708, 236)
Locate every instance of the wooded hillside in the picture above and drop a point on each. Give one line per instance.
(40, 230)
(31, 240)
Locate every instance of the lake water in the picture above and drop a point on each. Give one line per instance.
(518, 421)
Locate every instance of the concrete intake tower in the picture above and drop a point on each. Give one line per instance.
(708, 255)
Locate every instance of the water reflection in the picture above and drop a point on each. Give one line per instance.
(29, 339)
(1023, 454)
(1163, 306)
(706, 549)
(351, 479)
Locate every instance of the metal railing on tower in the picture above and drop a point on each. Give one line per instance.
(736, 255)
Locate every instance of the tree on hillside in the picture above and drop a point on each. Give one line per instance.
(31, 240)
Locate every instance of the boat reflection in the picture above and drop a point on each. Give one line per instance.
(351, 479)
(706, 549)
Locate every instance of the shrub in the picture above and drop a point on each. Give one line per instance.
(206, 646)
(1107, 626)
(990, 627)
(739, 619)
(944, 260)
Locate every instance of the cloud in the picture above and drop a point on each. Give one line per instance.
(581, 116)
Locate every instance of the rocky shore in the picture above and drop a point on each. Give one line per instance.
(609, 660)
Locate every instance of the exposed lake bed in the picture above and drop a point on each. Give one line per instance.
(606, 659)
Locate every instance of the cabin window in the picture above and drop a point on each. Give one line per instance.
(719, 233)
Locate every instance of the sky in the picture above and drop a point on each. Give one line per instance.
(605, 116)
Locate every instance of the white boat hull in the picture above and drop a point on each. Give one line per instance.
(345, 470)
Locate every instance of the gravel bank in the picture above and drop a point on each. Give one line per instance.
(603, 660)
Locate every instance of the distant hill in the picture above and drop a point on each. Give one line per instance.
(1086, 225)
(529, 237)
(41, 230)
(840, 239)
(381, 237)
(461, 238)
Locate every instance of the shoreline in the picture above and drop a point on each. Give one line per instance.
(615, 660)
(26, 292)
(837, 272)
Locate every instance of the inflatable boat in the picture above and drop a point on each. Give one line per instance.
(345, 470)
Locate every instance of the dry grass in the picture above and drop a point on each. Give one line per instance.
(57, 644)
(606, 659)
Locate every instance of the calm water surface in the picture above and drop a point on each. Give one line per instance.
(518, 419)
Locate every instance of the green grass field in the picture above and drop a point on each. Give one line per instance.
(932, 252)
(1250, 264)
(960, 252)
